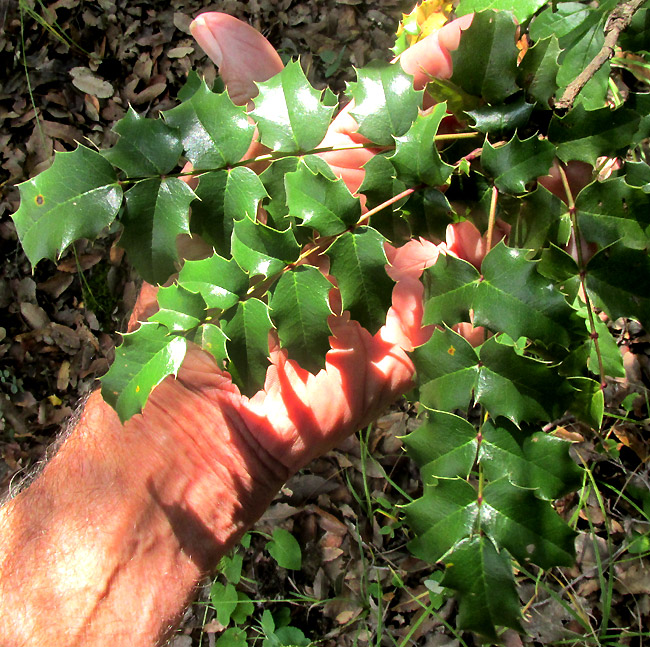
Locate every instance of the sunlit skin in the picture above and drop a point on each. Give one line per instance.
(107, 545)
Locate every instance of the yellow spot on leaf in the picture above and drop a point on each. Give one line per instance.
(452, 350)
(137, 389)
(39, 200)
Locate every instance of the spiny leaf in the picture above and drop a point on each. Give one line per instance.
(586, 135)
(273, 179)
(358, 263)
(536, 219)
(225, 196)
(385, 102)
(258, 249)
(75, 198)
(486, 587)
(142, 361)
(215, 132)
(447, 368)
(560, 20)
(588, 404)
(157, 211)
(503, 118)
(537, 73)
(220, 282)
(321, 202)
(247, 330)
(179, 309)
(493, 74)
(289, 112)
(522, 10)
(299, 308)
(145, 147)
(416, 158)
(212, 339)
(517, 162)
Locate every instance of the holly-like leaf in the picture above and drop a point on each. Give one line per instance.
(258, 249)
(502, 119)
(444, 446)
(225, 196)
(273, 179)
(618, 279)
(289, 112)
(586, 135)
(613, 210)
(385, 102)
(486, 587)
(157, 211)
(526, 526)
(212, 339)
(215, 132)
(513, 297)
(179, 308)
(75, 198)
(530, 460)
(537, 73)
(248, 344)
(358, 263)
(145, 147)
(442, 517)
(299, 308)
(449, 287)
(321, 202)
(516, 387)
(517, 162)
(447, 368)
(493, 74)
(220, 282)
(560, 20)
(536, 219)
(143, 359)
(522, 10)
(588, 404)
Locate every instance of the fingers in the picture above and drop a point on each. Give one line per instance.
(241, 53)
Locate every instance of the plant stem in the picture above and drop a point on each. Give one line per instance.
(583, 273)
(491, 218)
(396, 198)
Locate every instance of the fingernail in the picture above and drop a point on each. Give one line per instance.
(206, 39)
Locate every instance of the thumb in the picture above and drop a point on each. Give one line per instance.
(241, 53)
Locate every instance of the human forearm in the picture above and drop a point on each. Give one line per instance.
(115, 533)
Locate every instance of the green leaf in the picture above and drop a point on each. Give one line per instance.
(449, 287)
(243, 611)
(225, 196)
(358, 263)
(516, 387)
(446, 513)
(299, 308)
(501, 119)
(610, 352)
(447, 368)
(179, 309)
(517, 162)
(219, 281)
(247, 330)
(145, 147)
(258, 249)
(321, 202)
(385, 102)
(560, 20)
(493, 74)
(444, 446)
(527, 527)
(588, 403)
(75, 198)
(143, 359)
(213, 340)
(416, 158)
(537, 73)
(618, 280)
(613, 210)
(273, 179)
(224, 599)
(514, 298)
(215, 132)
(285, 549)
(289, 112)
(537, 460)
(232, 637)
(522, 10)
(486, 587)
(157, 211)
(586, 135)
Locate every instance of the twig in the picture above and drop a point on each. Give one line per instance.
(619, 20)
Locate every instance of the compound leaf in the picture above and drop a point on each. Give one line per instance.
(486, 587)
(385, 102)
(358, 263)
(75, 198)
(157, 211)
(145, 146)
(215, 132)
(299, 308)
(517, 162)
(143, 359)
(248, 330)
(289, 112)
